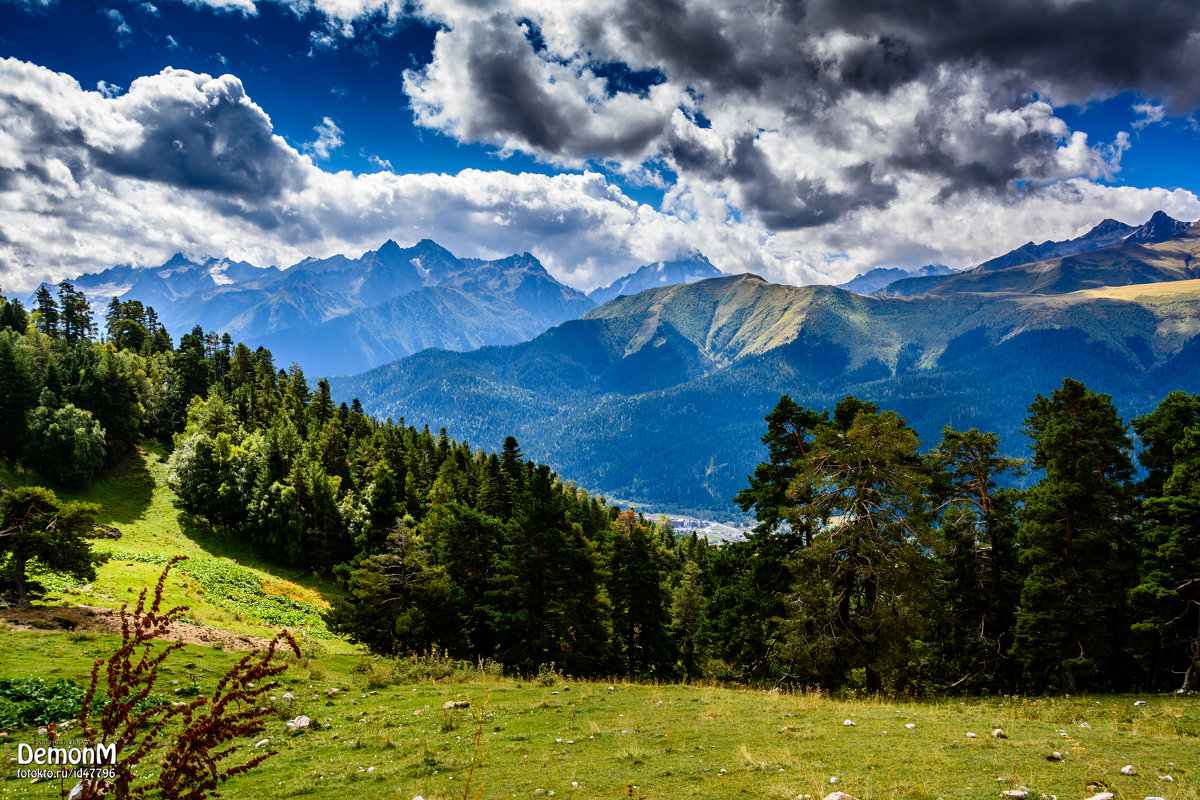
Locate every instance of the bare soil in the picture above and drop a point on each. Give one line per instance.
(107, 620)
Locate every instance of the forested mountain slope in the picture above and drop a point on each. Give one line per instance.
(658, 396)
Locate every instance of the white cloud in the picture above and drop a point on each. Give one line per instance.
(1148, 114)
(186, 161)
(329, 138)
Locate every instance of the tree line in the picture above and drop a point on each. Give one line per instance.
(875, 564)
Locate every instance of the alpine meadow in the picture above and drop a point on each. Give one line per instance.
(444, 400)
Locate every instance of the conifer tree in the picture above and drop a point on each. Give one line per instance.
(1077, 542)
(1167, 595)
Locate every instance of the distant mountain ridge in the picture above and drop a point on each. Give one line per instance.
(873, 280)
(695, 267)
(1111, 254)
(341, 315)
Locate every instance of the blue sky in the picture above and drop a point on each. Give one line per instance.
(805, 142)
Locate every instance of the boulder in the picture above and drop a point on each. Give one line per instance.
(456, 704)
(840, 796)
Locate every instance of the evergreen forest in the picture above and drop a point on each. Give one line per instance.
(879, 563)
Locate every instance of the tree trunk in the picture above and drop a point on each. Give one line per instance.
(19, 564)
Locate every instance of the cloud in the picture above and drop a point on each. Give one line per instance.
(329, 138)
(1148, 114)
(246, 8)
(120, 26)
(803, 113)
(487, 83)
(188, 162)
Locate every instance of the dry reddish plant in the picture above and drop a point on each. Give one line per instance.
(203, 729)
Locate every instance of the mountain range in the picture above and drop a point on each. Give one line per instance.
(881, 277)
(341, 315)
(1110, 254)
(660, 396)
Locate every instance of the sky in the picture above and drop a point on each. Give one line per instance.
(802, 140)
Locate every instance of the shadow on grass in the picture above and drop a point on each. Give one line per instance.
(123, 491)
(219, 545)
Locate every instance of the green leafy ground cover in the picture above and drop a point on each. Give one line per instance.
(652, 741)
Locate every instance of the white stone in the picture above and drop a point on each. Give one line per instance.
(1140, 703)
(833, 779)
(1103, 796)
(263, 743)
(1167, 778)
(1016, 793)
(972, 736)
(1085, 726)
(848, 723)
(910, 725)
(837, 796)
(999, 733)
(299, 723)
(1128, 770)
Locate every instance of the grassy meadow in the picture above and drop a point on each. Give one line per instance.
(380, 730)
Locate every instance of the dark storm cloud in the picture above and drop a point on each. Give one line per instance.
(782, 202)
(513, 100)
(1080, 48)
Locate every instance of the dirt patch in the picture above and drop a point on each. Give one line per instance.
(107, 620)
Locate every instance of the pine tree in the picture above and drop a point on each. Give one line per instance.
(1077, 541)
(977, 559)
(17, 397)
(859, 584)
(46, 312)
(790, 432)
(1167, 595)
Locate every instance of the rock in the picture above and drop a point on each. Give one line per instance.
(972, 736)
(833, 779)
(1085, 726)
(1140, 703)
(1103, 796)
(998, 733)
(1128, 770)
(910, 725)
(1156, 798)
(456, 704)
(849, 723)
(839, 796)
(1166, 778)
(332, 691)
(106, 532)
(370, 769)
(418, 712)
(288, 696)
(262, 743)
(1016, 793)
(78, 790)
(1055, 756)
(298, 724)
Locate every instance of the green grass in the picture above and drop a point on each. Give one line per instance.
(666, 741)
(135, 498)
